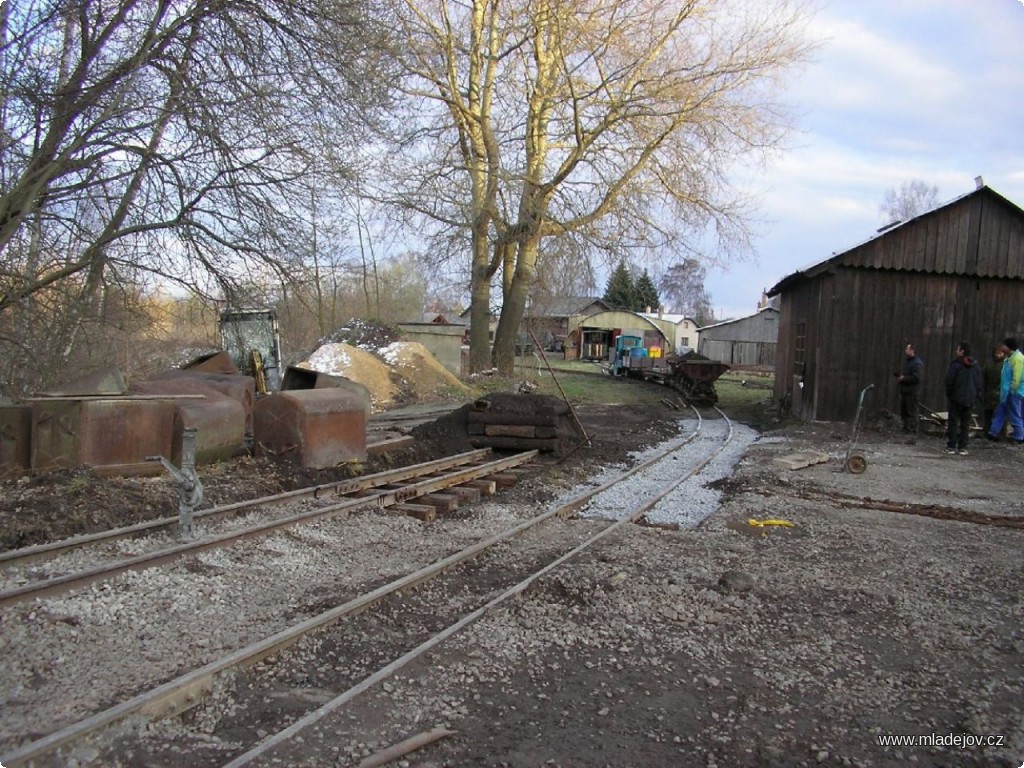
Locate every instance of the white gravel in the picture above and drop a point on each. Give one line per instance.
(693, 500)
(853, 623)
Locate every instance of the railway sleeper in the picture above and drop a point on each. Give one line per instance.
(425, 512)
(486, 487)
(504, 479)
(467, 495)
(442, 502)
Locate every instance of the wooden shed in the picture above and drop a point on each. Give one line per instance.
(746, 342)
(953, 273)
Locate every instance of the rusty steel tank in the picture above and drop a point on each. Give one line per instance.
(100, 432)
(219, 420)
(15, 439)
(316, 428)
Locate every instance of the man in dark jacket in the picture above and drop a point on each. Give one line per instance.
(963, 385)
(991, 377)
(909, 380)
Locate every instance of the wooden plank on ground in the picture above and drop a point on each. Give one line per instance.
(442, 502)
(515, 443)
(390, 444)
(510, 430)
(800, 459)
(424, 512)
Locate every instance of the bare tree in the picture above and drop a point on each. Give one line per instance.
(168, 141)
(911, 199)
(683, 285)
(617, 119)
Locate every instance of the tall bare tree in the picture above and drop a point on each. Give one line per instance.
(911, 199)
(617, 118)
(168, 140)
(683, 286)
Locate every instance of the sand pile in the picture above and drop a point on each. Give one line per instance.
(428, 378)
(400, 370)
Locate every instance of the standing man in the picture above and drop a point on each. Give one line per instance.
(991, 375)
(963, 384)
(1011, 392)
(909, 380)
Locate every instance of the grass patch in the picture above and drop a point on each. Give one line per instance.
(747, 399)
(742, 396)
(594, 389)
(582, 385)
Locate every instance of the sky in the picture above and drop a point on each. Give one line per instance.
(899, 90)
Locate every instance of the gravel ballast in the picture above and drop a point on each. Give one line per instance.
(718, 644)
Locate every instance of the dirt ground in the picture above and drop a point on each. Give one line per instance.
(891, 609)
(65, 503)
(893, 606)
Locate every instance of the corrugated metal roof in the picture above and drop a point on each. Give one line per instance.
(739, 319)
(566, 306)
(671, 318)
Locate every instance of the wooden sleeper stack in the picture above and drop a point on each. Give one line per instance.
(515, 422)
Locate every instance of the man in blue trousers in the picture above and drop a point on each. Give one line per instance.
(1011, 393)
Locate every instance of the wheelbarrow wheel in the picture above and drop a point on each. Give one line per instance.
(856, 464)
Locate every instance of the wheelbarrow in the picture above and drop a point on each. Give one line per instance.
(855, 462)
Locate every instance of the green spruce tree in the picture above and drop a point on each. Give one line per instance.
(621, 290)
(647, 294)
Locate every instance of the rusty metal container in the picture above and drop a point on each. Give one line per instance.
(215, 362)
(100, 432)
(306, 378)
(317, 428)
(236, 386)
(109, 381)
(219, 420)
(15, 439)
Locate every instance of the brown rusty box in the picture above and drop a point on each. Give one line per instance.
(15, 439)
(306, 378)
(316, 428)
(214, 362)
(219, 420)
(70, 432)
(236, 386)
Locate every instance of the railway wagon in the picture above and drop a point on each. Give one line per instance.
(692, 375)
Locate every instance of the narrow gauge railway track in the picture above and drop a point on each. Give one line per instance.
(234, 671)
(384, 489)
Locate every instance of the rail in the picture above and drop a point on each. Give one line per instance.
(186, 690)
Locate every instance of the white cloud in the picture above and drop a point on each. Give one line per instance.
(900, 90)
(864, 70)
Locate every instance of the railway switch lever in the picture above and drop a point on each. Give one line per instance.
(190, 488)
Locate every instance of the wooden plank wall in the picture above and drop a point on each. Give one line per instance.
(980, 236)
(858, 322)
(759, 354)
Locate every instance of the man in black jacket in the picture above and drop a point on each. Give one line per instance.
(909, 380)
(963, 385)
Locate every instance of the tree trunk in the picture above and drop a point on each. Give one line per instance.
(514, 307)
(480, 305)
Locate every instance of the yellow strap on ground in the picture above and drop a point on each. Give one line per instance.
(762, 523)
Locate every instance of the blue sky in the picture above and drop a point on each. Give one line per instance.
(899, 90)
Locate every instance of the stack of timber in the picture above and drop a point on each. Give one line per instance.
(505, 421)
